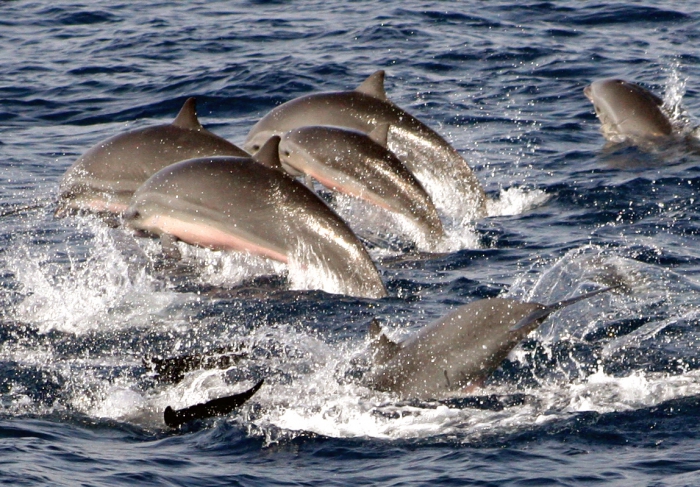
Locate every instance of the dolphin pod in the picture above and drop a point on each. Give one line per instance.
(442, 171)
(180, 181)
(106, 176)
(627, 111)
(459, 351)
(353, 163)
(251, 205)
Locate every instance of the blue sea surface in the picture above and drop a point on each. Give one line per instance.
(605, 392)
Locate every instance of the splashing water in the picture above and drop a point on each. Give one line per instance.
(106, 289)
(673, 99)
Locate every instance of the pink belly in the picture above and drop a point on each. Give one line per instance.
(209, 237)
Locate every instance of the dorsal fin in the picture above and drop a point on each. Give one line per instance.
(268, 155)
(374, 86)
(380, 134)
(187, 118)
(381, 347)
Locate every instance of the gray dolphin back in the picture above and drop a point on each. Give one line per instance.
(628, 111)
(442, 171)
(106, 176)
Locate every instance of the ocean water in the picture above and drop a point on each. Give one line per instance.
(604, 392)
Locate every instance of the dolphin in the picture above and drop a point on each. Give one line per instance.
(173, 369)
(459, 351)
(354, 163)
(436, 164)
(105, 177)
(252, 205)
(627, 111)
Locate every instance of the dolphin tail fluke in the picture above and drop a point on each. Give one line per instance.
(545, 311)
(217, 407)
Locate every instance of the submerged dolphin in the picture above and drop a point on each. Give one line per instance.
(438, 166)
(627, 111)
(251, 205)
(104, 178)
(353, 163)
(460, 350)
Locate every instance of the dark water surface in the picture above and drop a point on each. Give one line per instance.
(605, 392)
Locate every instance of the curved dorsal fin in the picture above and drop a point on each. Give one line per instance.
(381, 347)
(187, 118)
(268, 155)
(374, 86)
(380, 134)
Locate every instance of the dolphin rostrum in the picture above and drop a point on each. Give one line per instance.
(354, 163)
(459, 351)
(104, 178)
(252, 205)
(442, 171)
(627, 111)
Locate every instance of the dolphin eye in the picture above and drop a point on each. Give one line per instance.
(287, 153)
(256, 147)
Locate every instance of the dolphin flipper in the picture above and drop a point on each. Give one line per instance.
(216, 407)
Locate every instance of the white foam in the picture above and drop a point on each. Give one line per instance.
(228, 269)
(103, 291)
(515, 201)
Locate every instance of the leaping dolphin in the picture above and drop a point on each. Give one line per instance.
(252, 205)
(354, 163)
(627, 111)
(442, 171)
(459, 351)
(106, 176)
